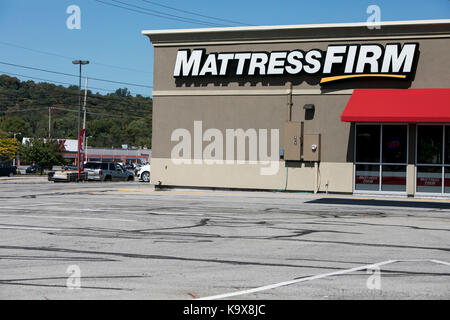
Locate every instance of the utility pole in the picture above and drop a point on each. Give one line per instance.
(49, 122)
(80, 62)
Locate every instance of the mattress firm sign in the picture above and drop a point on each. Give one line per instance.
(336, 63)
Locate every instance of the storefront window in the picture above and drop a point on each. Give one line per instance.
(393, 178)
(447, 145)
(447, 180)
(381, 150)
(447, 160)
(394, 143)
(429, 179)
(368, 143)
(367, 177)
(433, 159)
(429, 144)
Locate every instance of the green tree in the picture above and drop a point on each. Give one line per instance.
(123, 92)
(139, 133)
(24, 108)
(8, 148)
(15, 124)
(45, 154)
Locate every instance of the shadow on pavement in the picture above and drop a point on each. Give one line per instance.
(384, 203)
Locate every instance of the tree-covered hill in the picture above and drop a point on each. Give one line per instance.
(113, 119)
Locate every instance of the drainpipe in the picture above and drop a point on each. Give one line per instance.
(289, 119)
(316, 177)
(289, 102)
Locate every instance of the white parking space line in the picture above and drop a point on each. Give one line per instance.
(56, 217)
(175, 214)
(441, 262)
(320, 276)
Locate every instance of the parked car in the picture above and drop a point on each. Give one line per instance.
(144, 173)
(69, 167)
(107, 171)
(7, 170)
(66, 176)
(33, 169)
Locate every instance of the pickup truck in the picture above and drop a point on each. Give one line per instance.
(107, 171)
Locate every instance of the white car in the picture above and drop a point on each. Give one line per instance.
(144, 173)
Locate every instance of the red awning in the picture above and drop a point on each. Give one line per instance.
(398, 105)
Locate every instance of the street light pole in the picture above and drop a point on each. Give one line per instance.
(14, 134)
(80, 62)
(84, 108)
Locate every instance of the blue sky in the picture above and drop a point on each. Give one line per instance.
(111, 35)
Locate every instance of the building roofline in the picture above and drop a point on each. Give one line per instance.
(290, 27)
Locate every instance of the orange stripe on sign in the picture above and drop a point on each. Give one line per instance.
(335, 78)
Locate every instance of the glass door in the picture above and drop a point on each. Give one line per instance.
(381, 157)
(433, 159)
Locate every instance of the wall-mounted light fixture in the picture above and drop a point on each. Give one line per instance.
(308, 107)
(309, 111)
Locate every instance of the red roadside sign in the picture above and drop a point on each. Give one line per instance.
(81, 152)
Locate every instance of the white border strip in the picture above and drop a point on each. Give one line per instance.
(234, 42)
(290, 27)
(320, 276)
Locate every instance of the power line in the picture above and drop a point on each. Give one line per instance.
(66, 83)
(143, 113)
(73, 75)
(70, 58)
(65, 95)
(164, 13)
(70, 110)
(196, 14)
(24, 110)
(100, 114)
(160, 15)
(93, 95)
(72, 92)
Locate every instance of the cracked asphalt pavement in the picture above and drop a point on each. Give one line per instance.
(131, 242)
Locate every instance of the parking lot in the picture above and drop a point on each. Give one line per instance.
(131, 242)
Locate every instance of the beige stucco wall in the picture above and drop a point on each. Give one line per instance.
(339, 176)
(258, 112)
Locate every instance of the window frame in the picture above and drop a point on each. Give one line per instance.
(443, 165)
(380, 163)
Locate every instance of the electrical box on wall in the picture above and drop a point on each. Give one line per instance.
(292, 141)
(311, 147)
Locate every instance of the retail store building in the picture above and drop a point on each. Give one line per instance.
(321, 108)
